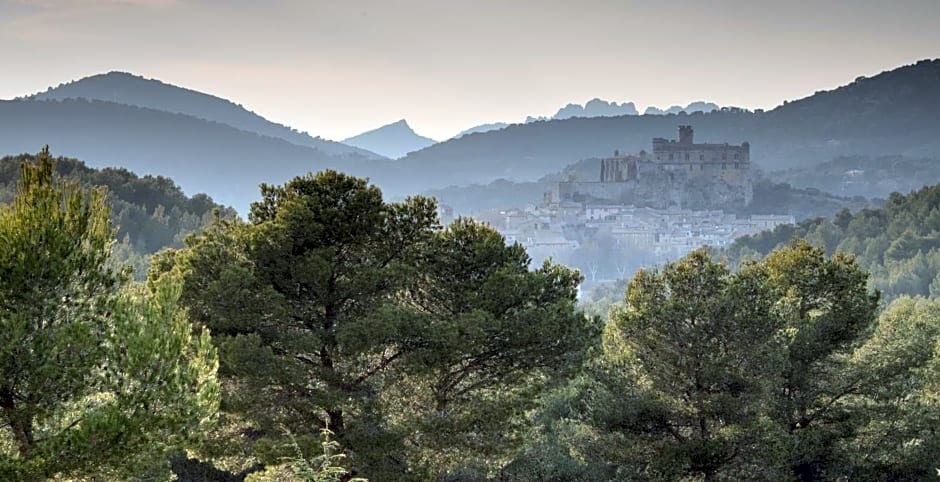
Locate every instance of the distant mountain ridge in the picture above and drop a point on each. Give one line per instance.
(129, 89)
(482, 128)
(392, 140)
(893, 113)
(601, 108)
(698, 106)
(596, 108)
(202, 156)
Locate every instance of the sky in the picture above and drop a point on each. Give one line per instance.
(338, 68)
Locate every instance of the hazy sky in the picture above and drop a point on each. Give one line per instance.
(336, 68)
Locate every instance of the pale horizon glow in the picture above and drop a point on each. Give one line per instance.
(337, 69)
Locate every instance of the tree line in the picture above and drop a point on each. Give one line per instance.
(150, 213)
(899, 243)
(334, 335)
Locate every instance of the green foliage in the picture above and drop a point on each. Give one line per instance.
(356, 337)
(493, 335)
(895, 437)
(95, 380)
(899, 243)
(602, 297)
(689, 396)
(292, 301)
(150, 213)
(417, 347)
(777, 371)
(562, 444)
(325, 467)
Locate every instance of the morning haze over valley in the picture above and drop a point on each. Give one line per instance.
(489, 241)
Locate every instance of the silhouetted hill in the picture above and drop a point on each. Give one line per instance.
(893, 113)
(393, 140)
(482, 128)
(125, 88)
(201, 156)
(900, 107)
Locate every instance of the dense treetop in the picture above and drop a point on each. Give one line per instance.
(421, 348)
(899, 243)
(98, 379)
(150, 212)
(780, 370)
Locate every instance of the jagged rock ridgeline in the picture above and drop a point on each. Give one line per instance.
(596, 108)
(698, 106)
(601, 108)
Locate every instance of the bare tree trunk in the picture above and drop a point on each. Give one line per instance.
(21, 424)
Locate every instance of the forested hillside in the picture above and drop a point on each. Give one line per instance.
(899, 243)
(865, 175)
(149, 213)
(100, 377)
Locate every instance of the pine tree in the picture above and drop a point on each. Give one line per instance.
(94, 378)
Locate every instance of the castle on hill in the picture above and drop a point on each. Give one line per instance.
(677, 173)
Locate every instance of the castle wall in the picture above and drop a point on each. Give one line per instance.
(677, 173)
(618, 169)
(582, 191)
(734, 173)
(671, 151)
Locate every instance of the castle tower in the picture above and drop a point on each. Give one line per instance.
(685, 135)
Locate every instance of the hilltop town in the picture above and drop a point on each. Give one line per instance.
(641, 209)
